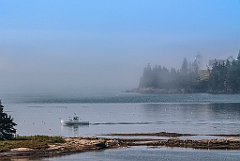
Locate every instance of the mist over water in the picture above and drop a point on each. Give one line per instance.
(63, 57)
(120, 97)
(59, 46)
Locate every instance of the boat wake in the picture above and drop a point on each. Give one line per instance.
(121, 123)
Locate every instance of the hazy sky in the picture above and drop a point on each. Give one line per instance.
(74, 45)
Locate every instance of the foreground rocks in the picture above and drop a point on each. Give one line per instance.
(84, 144)
(71, 146)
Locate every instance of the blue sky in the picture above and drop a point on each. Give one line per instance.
(82, 44)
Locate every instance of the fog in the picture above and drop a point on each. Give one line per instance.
(73, 46)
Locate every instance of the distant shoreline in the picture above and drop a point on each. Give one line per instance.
(169, 91)
(156, 91)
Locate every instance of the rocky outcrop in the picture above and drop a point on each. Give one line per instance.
(228, 143)
(72, 145)
(83, 144)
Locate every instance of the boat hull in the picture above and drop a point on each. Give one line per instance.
(70, 123)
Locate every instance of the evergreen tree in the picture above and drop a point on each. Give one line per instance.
(184, 77)
(238, 57)
(231, 85)
(147, 78)
(7, 129)
(185, 67)
(224, 77)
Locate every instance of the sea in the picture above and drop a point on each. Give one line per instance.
(118, 112)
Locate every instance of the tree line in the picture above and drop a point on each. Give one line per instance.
(225, 77)
(221, 78)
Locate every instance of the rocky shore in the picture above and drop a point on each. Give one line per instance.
(231, 141)
(71, 146)
(84, 144)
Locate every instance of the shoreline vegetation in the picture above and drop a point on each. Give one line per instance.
(220, 77)
(46, 146)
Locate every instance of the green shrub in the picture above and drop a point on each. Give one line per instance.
(33, 142)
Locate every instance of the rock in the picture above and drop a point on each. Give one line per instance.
(101, 145)
(21, 150)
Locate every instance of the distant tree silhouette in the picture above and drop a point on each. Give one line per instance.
(223, 78)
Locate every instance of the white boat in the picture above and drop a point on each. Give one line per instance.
(74, 121)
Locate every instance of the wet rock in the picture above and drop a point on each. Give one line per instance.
(101, 145)
(21, 150)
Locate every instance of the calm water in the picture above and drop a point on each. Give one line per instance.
(153, 154)
(129, 113)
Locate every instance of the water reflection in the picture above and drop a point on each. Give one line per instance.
(73, 130)
(232, 109)
(218, 110)
(207, 118)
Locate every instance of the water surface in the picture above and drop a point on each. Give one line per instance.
(130, 113)
(154, 154)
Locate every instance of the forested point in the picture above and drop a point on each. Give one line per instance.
(222, 77)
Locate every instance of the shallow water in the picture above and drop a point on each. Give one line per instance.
(129, 113)
(153, 154)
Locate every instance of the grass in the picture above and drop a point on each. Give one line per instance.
(33, 142)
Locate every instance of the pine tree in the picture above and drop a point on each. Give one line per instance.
(238, 57)
(7, 129)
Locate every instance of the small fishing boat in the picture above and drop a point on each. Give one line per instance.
(74, 121)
